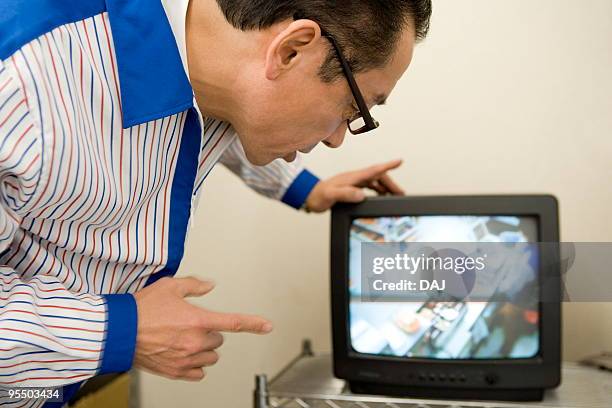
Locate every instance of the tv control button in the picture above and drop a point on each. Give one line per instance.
(491, 378)
(369, 374)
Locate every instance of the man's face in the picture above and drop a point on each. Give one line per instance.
(289, 109)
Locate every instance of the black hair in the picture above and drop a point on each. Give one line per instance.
(367, 30)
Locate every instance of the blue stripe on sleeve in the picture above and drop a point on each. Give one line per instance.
(120, 342)
(298, 191)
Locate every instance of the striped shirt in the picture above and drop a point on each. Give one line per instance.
(103, 155)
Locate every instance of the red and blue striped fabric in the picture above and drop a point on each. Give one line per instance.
(91, 208)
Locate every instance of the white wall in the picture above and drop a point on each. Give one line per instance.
(506, 96)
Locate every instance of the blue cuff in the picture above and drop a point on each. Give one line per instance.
(121, 327)
(298, 191)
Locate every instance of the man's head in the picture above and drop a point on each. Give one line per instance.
(292, 90)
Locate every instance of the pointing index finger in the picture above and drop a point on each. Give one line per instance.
(235, 323)
(375, 171)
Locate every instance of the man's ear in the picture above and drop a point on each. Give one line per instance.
(290, 46)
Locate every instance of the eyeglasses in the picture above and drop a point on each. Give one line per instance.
(363, 121)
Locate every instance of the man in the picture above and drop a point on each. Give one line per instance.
(112, 114)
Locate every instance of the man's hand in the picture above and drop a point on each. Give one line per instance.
(348, 187)
(175, 338)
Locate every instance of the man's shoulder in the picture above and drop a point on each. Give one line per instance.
(22, 21)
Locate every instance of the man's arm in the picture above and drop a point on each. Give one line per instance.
(290, 183)
(49, 335)
(296, 186)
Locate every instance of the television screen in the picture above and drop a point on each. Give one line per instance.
(455, 329)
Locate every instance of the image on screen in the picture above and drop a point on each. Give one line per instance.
(450, 329)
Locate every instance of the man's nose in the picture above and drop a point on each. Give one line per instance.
(336, 139)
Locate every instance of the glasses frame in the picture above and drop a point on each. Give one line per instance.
(364, 111)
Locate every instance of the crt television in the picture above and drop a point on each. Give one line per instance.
(448, 348)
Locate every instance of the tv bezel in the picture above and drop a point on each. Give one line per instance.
(537, 373)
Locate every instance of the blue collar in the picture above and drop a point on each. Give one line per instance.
(151, 75)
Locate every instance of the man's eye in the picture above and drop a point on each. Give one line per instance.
(351, 112)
